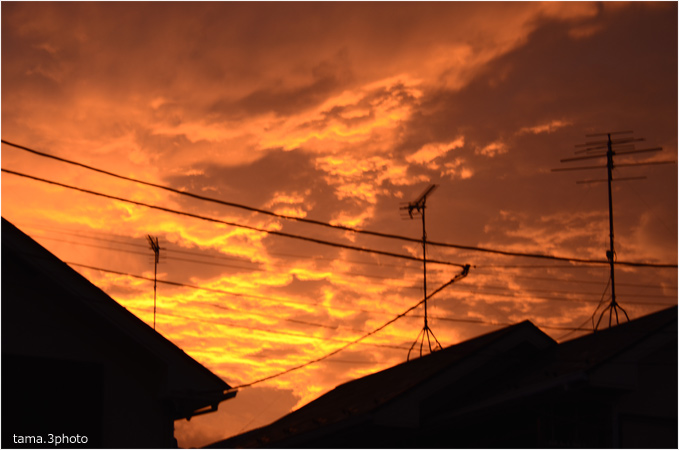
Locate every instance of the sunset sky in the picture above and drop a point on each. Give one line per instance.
(341, 113)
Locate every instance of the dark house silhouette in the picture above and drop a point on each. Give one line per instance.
(512, 388)
(79, 370)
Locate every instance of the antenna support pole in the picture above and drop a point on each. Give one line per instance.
(156, 252)
(419, 205)
(613, 306)
(610, 254)
(424, 261)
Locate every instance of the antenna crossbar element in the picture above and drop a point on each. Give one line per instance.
(614, 179)
(603, 145)
(156, 251)
(419, 204)
(623, 152)
(641, 150)
(610, 133)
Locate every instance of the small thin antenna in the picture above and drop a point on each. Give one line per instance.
(622, 148)
(156, 251)
(417, 207)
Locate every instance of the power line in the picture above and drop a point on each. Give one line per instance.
(442, 318)
(233, 224)
(213, 200)
(265, 330)
(562, 299)
(571, 280)
(467, 289)
(209, 263)
(171, 258)
(202, 254)
(550, 279)
(561, 291)
(320, 223)
(235, 294)
(207, 289)
(586, 261)
(168, 258)
(223, 291)
(248, 312)
(459, 276)
(221, 322)
(447, 319)
(473, 289)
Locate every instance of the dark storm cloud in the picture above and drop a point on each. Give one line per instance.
(555, 75)
(327, 78)
(363, 110)
(254, 183)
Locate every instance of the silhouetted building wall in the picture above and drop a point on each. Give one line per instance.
(512, 388)
(76, 363)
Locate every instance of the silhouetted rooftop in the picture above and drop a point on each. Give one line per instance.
(497, 367)
(188, 384)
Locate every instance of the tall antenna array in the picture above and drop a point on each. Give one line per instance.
(595, 150)
(417, 207)
(156, 253)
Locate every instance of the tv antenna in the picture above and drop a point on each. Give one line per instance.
(595, 150)
(156, 252)
(413, 208)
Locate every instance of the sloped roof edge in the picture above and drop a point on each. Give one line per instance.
(336, 405)
(98, 302)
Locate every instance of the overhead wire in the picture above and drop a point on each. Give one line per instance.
(548, 298)
(320, 223)
(297, 303)
(350, 343)
(571, 280)
(358, 340)
(473, 289)
(265, 330)
(551, 279)
(465, 267)
(462, 274)
(209, 263)
(560, 291)
(462, 288)
(207, 255)
(207, 289)
(233, 224)
(286, 302)
(248, 312)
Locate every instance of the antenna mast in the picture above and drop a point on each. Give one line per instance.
(624, 147)
(156, 252)
(417, 207)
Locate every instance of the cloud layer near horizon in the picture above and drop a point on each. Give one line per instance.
(340, 112)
